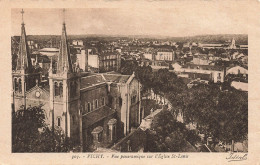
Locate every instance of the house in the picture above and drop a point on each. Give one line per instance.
(201, 59)
(164, 55)
(109, 61)
(176, 66)
(204, 72)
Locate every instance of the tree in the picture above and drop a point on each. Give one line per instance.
(166, 134)
(31, 134)
(221, 114)
(145, 75)
(128, 67)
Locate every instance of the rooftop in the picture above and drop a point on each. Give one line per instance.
(116, 78)
(91, 81)
(96, 115)
(49, 50)
(203, 67)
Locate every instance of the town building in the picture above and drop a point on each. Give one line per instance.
(93, 62)
(201, 59)
(164, 55)
(109, 61)
(204, 72)
(211, 45)
(77, 43)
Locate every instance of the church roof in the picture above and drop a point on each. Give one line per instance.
(116, 78)
(64, 60)
(96, 115)
(91, 81)
(24, 59)
(97, 79)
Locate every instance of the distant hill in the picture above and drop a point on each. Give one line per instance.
(220, 38)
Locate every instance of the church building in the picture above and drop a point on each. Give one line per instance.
(93, 110)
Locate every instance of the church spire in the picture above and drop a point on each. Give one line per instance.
(24, 59)
(64, 61)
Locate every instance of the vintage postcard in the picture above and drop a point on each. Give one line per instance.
(136, 82)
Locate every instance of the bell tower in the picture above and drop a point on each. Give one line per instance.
(64, 82)
(24, 76)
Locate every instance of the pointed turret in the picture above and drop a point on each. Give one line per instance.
(64, 61)
(24, 59)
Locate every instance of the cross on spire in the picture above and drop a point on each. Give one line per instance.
(63, 10)
(22, 12)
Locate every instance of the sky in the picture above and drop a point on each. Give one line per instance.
(176, 21)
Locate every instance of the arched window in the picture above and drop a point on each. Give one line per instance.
(56, 89)
(20, 86)
(15, 85)
(59, 121)
(96, 104)
(61, 89)
(85, 108)
(120, 101)
(103, 101)
(89, 107)
(73, 88)
(100, 137)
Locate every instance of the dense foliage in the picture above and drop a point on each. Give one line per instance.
(30, 134)
(222, 114)
(161, 81)
(167, 134)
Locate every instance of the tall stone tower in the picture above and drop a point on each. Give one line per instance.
(64, 84)
(24, 76)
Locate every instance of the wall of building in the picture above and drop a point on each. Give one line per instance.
(110, 61)
(94, 93)
(164, 56)
(134, 142)
(148, 56)
(135, 101)
(93, 61)
(211, 75)
(88, 144)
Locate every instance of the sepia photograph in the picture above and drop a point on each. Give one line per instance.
(108, 80)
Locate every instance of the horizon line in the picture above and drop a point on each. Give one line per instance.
(128, 35)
